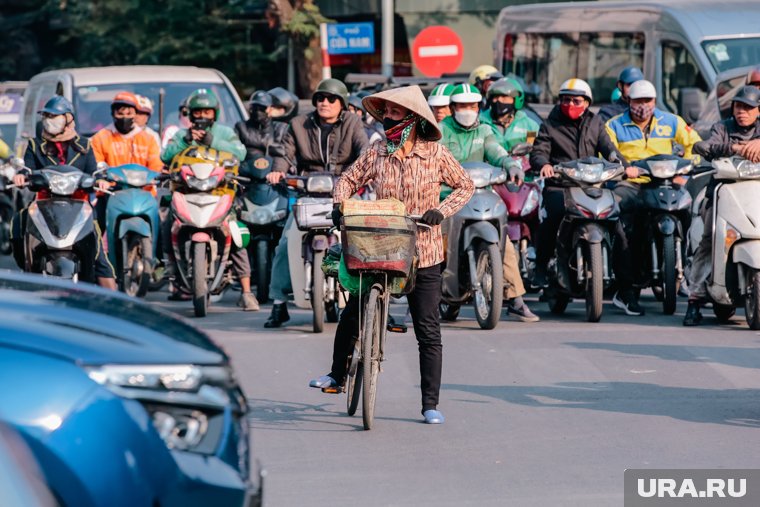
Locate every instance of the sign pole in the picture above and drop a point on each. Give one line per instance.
(326, 70)
(387, 34)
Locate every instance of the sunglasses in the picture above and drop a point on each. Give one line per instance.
(184, 112)
(321, 97)
(576, 101)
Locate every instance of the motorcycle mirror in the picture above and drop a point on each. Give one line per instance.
(87, 182)
(499, 178)
(614, 157)
(522, 149)
(18, 163)
(101, 168)
(232, 162)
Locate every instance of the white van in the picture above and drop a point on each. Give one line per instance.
(91, 90)
(681, 45)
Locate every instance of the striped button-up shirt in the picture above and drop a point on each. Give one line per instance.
(415, 179)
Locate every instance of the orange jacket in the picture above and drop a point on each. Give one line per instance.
(137, 147)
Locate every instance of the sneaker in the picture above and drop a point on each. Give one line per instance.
(248, 302)
(630, 307)
(539, 279)
(433, 417)
(323, 382)
(523, 314)
(693, 316)
(278, 316)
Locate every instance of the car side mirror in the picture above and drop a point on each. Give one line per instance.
(691, 102)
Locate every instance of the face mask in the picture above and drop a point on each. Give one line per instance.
(202, 123)
(54, 126)
(466, 118)
(124, 125)
(641, 112)
(572, 111)
(499, 109)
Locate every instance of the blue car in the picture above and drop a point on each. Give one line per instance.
(122, 404)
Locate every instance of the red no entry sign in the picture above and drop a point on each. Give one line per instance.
(437, 50)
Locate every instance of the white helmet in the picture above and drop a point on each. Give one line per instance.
(642, 89)
(441, 95)
(576, 87)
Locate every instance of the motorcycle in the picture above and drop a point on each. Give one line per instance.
(7, 206)
(523, 203)
(309, 237)
(735, 278)
(132, 225)
(664, 218)
(582, 266)
(474, 239)
(60, 235)
(201, 208)
(264, 211)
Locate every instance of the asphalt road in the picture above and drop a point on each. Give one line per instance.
(543, 414)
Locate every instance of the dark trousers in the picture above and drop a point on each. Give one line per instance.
(628, 234)
(423, 306)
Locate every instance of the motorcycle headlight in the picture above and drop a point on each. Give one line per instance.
(531, 202)
(204, 185)
(62, 184)
(748, 170)
(136, 178)
(319, 184)
(590, 173)
(480, 177)
(663, 168)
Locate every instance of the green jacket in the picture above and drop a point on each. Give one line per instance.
(223, 138)
(474, 144)
(515, 133)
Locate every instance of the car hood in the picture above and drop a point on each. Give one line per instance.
(89, 325)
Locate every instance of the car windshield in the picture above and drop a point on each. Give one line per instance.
(726, 54)
(93, 103)
(8, 133)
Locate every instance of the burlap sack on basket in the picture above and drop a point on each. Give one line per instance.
(393, 207)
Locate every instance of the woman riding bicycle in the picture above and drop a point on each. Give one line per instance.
(409, 166)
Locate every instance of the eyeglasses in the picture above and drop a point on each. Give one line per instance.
(576, 101)
(321, 97)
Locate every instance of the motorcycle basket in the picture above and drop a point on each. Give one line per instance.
(379, 243)
(313, 212)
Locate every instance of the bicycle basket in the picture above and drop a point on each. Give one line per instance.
(379, 243)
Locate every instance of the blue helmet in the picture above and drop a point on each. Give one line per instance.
(630, 75)
(57, 105)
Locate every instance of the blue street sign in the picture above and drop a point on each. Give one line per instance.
(350, 38)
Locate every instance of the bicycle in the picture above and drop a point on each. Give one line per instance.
(380, 248)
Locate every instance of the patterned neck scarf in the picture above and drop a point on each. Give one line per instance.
(398, 135)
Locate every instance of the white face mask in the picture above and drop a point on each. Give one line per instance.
(55, 125)
(466, 118)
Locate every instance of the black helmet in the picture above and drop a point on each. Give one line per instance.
(261, 98)
(283, 98)
(332, 87)
(749, 95)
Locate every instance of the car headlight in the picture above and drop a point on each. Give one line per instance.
(480, 177)
(179, 377)
(747, 169)
(62, 184)
(319, 184)
(204, 185)
(663, 168)
(180, 429)
(136, 178)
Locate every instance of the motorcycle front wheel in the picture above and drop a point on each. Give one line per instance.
(669, 277)
(318, 293)
(263, 268)
(136, 265)
(594, 282)
(490, 274)
(752, 299)
(200, 284)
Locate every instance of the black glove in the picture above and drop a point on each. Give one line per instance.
(208, 138)
(432, 217)
(188, 137)
(336, 215)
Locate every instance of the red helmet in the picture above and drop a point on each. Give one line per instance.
(125, 99)
(753, 78)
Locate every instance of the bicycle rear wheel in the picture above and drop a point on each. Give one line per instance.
(373, 319)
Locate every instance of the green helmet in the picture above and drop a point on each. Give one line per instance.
(465, 93)
(203, 99)
(508, 87)
(332, 87)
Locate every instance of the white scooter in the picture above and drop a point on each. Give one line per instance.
(736, 240)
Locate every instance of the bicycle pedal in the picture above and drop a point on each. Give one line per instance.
(332, 390)
(397, 328)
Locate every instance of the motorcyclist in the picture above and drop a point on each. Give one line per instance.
(640, 132)
(738, 135)
(753, 77)
(439, 101)
(482, 77)
(206, 131)
(570, 132)
(329, 139)
(144, 111)
(505, 100)
(284, 104)
(60, 144)
(373, 129)
(627, 77)
(183, 120)
(259, 134)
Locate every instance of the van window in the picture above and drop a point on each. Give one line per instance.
(545, 61)
(39, 94)
(679, 70)
(93, 103)
(729, 54)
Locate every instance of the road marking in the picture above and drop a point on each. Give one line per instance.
(643, 371)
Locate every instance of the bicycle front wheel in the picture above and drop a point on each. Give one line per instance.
(372, 329)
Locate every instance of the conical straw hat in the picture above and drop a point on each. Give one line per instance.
(410, 97)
